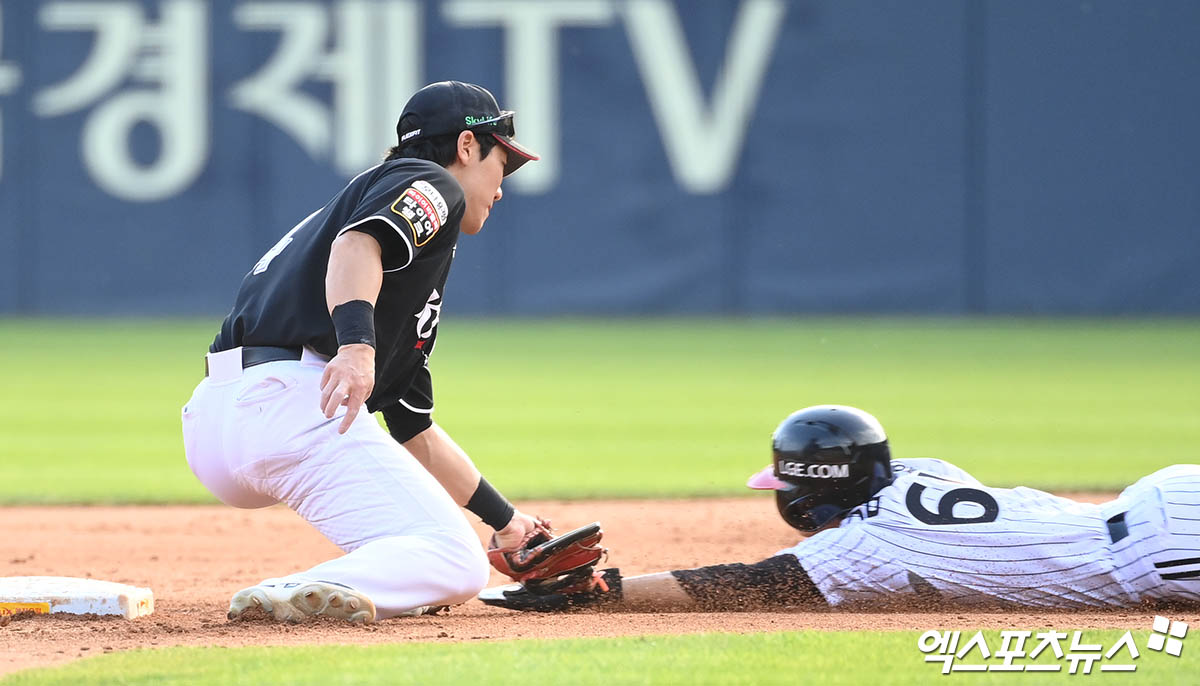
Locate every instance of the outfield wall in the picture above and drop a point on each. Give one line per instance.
(957, 156)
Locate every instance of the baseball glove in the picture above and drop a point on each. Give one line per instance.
(580, 589)
(542, 558)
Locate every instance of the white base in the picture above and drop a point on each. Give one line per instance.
(69, 595)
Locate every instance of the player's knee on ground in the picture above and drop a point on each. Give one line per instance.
(467, 570)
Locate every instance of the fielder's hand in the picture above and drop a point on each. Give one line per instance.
(520, 529)
(348, 380)
(541, 557)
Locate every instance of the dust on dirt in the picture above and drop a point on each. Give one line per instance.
(195, 558)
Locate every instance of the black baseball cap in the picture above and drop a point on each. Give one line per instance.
(450, 107)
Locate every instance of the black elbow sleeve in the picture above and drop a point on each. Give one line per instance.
(778, 581)
(403, 424)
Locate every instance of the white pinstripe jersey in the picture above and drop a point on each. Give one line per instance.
(937, 532)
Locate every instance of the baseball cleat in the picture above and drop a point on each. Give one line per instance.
(295, 601)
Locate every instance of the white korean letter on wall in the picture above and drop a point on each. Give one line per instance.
(675, 95)
(373, 67)
(531, 69)
(668, 73)
(10, 79)
(168, 61)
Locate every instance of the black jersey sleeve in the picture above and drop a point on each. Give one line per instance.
(413, 413)
(407, 209)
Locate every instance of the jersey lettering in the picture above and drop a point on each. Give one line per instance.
(262, 264)
(866, 510)
(945, 511)
(872, 507)
(428, 318)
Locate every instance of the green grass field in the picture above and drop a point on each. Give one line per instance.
(820, 658)
(633, 407)
(627, 408)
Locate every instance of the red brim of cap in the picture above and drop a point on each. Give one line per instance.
(767, 481)
(517, 154)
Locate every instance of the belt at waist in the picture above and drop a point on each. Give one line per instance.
(261, 354)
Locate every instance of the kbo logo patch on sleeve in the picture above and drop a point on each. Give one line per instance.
(425, 210)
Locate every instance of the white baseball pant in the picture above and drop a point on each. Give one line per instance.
(256, 437)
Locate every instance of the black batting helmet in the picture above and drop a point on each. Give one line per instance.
(828, 460)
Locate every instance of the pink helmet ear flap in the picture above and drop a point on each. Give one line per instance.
(766, 480)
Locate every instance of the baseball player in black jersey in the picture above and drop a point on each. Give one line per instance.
(918, 531)
(342, 314)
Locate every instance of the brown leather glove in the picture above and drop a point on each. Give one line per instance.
(542, 557)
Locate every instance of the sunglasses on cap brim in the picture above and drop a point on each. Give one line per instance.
(501, 125)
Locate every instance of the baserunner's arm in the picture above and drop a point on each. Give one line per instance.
(775, 583)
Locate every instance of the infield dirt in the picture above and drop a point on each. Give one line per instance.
(195, 558)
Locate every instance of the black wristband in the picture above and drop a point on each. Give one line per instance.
(493, 508)
(354, 322)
